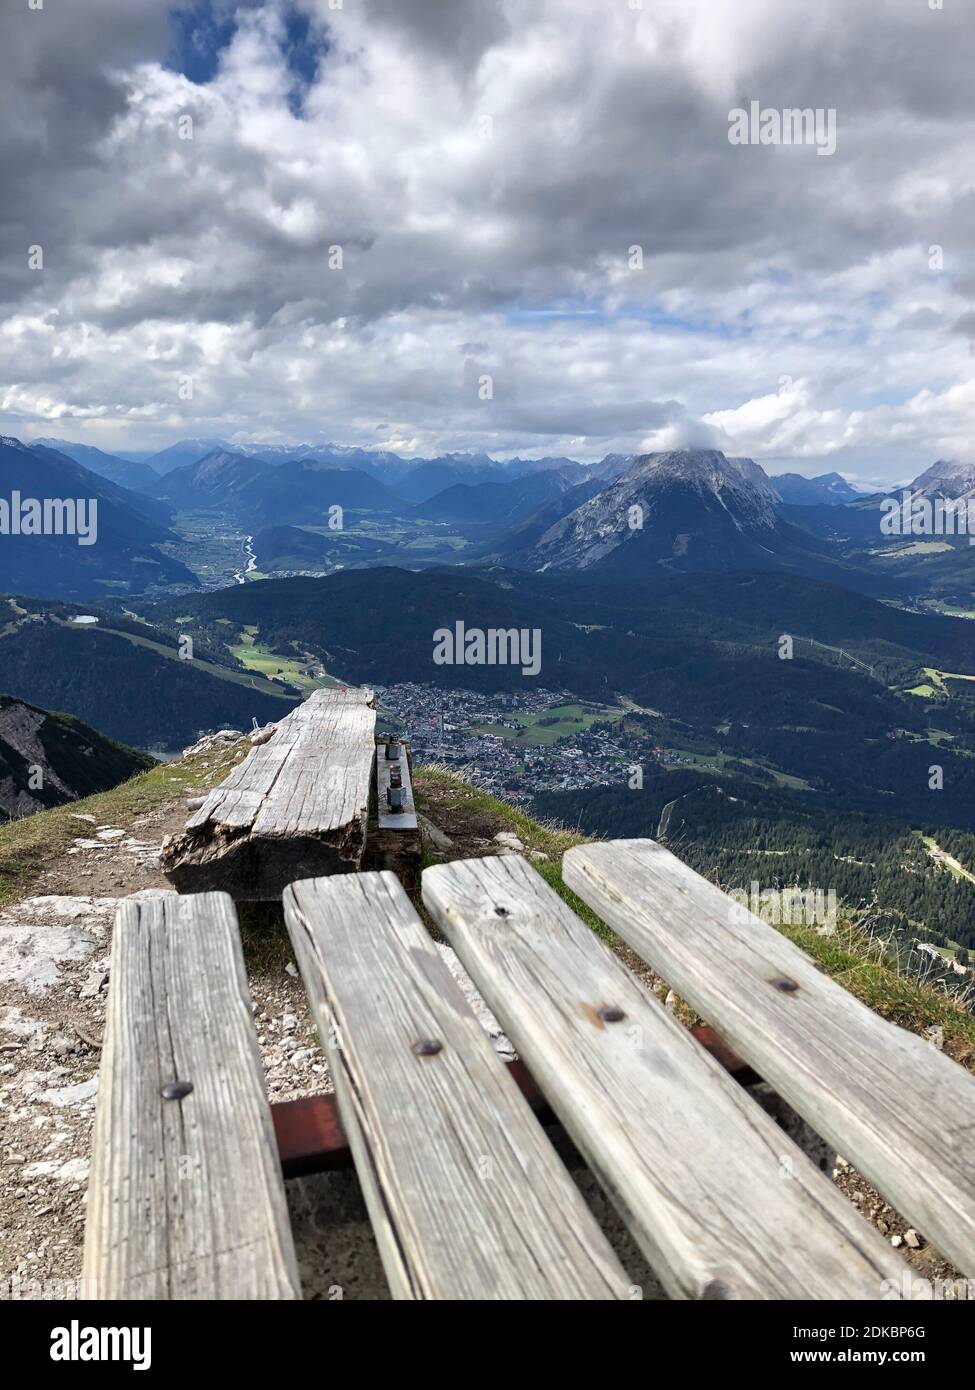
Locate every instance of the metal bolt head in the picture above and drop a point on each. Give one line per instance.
(609, 1013)
(786, 985)
(176, 1090)
(427, 1047)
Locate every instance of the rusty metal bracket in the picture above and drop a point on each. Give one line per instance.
(311, 1138)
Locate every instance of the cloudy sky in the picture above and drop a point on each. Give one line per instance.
(486, 167)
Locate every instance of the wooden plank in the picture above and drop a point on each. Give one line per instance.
(893, 1105)
(311, 1139)
(186, 1198)
(720, 1200)
(296, 806)
(466, 1195)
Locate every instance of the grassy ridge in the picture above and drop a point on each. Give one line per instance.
(34, 843)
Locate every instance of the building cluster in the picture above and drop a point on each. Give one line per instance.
(451, 727)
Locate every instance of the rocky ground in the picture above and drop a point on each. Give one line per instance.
(54, 975)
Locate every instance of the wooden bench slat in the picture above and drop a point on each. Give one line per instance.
(467, 1198)
(892, 1104)
(721, 1201)
(296, 806)
(185, 1198)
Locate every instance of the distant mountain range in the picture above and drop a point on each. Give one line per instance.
(829, 489)
(413, 479)
(134, 476)
(47, 759)
(259, 494)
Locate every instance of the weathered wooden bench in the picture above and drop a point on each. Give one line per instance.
(889, 1101)
(298, 806)
(466, 1194)
(185, 1195)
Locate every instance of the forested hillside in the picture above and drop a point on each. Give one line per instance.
(738, 832)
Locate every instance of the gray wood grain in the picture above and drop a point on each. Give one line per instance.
(467, 1198)
(720, 1200)
(296, 806)
(899, 1110)
(185, 1198)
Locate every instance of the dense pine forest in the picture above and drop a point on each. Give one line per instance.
(739, 832)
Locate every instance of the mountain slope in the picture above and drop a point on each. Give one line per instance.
(183, 452)
(118, 554)
(216, 480)
(291, 548)
(47, 759)
(304, 490)
(828, 489)
(124, 472)
(691, 509)
(496, 501)
(127, 678)
(702, 649)
(947, 478)
(257, 494)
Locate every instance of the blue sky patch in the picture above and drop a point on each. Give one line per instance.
(202, 31)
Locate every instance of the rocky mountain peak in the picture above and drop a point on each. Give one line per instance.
(946, 478)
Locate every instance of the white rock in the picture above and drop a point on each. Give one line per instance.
(897, 1241)
(94, 981)
(13, 1021)
(502, 1044)
(912, 1239)
(82, 1094)
(40, 935)
(509, 839)
(73, 1170)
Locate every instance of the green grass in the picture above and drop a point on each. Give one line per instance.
(915, 548)
(256, 656)
(865, 966)
(224, 673)
(552, 840)
(570, 719)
